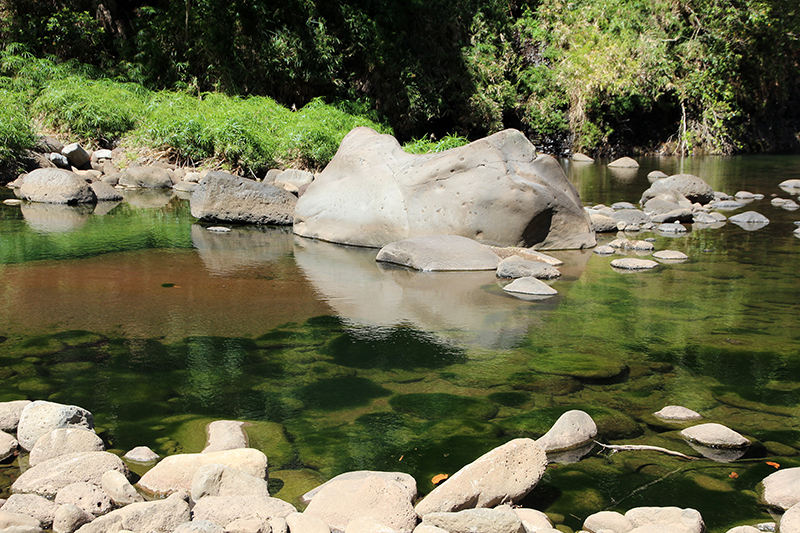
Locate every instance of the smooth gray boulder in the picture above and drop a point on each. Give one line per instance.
(150, 177)
(119, 489)
(33, 505)
(782, 488)
(225, 435)
(497, 191)
(715, 435)
(222, 510)
(160, 516)
(88, 496)
(41, 417)
(439, 253)
(65, 440)
(749, 220)
(572, 429)
(8, 445)
(175, 473)
(76, 155)
(677, 519)
(693, 188)
(378, 497)
(10, 413)
(18, 523)
(56, 186)
(602, 223)
(220, 480)
(624, 162)
(672, 227)
(223, 197)
(406, 481)
(516, 267)
(47, 478)
(631, 216)
(504, 474)
(498, 520)
(70, 517)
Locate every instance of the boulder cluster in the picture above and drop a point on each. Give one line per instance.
(72, 484)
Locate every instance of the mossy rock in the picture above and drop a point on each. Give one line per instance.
(583, 367)
(545, 384)
(441, 429)
(510, 399)
(270, 438)
(290, 485)
(611, 424)
(779, 450)
(712, 483)
(431, 406)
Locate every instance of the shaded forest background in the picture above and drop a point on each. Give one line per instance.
(599, 76)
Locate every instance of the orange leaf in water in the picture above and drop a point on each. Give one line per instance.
(733, 475)
(776, 465)
(438, 478)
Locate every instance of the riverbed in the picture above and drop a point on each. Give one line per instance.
(138, 313)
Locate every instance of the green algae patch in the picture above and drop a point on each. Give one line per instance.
(510, 399)
(431, 406)
(290, 485)
(545, 384)
(270, 438)
(583, 367)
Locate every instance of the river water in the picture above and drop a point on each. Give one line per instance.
(158, 326)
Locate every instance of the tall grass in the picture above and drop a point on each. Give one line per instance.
(426, 146)
(16, 133)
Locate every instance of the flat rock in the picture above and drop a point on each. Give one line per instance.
(602, 223)
(50, 476)
(378, 497)
(672, 227)
(175, 473)
(439, 252)
(680, 520)
(715, 435)
(33, 505)
(745, 529)
(222, 510)
(624, 162)
(10, 413)
(65, 440)
(530, 285)
(142, 454)
(41, 417)
(406, 481)
(496, 190)
(225, 435)
(631, 263)
(670, 255)
(526, 253)
(150, 177)
(499, 520)
(56, 186)
(161, 516)
(88, 496)
(677, 413)
(8, 445)
(517, 267)
(504, 474)
(630, 245)
(782, 488)
(104, 192)
(220, 480)
(119, 489)
(749, 220)
(605, 249)
(572, 430)
(223, 197)
(18, 523)
(608, 521)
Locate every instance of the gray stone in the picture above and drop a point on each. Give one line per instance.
(226, 198)
(70, 517)
(40, 418)
(715, 435)
(631, 263)
(225, 435)
(530, 285)
(631, 216)
(629, 245)
(692, 187)
(782, 488)
(504, 474)
(749, 220)
(527, 254)
(790, 184)
(119, 489)
(46, 144)
(499, 520)
(517, 267)
(603, 223)
(220, 480)
(161, 516)
(199, 526)
(656, 175)
(8, 445)
(497, 191)
(680, 520)
(105, 192)
(616, 206)
(439, 252)
(378, 497)
(33, 505)
(571, 430)
(223, 510)
(76, 155)
(175, 473)
(18, 523)
(624, 162)
(103, 154)
(607, 520)
(677, 413)
(59, 161)
(704, 218)
(186, 186)
(406, 481)
(672, 227)
(47, 478)
(55, 186)
(604, 249)
(581, 158)
(670, 255)
(65, 440)
(141, 454)
(145, 178)
(88, 496)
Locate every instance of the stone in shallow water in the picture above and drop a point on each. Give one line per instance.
(750, 220)
(782, 488)
(678, 520)
(624, 162)
(530, 285)
(670, 255)
(572, 429)
(218, 229)
(630, 263)
(517, 267)
(604, 249)
(672, 227)
(677, 413)
(439, 252)
(715, 435)
(142, 454)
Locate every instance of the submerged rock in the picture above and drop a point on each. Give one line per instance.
(677, 413)
(631, 263)
(439, 252)
(750, 220)
(670, 255)
(497, 191)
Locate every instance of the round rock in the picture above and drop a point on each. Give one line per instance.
(530, 286)
(56, 186)
(670, 255)
(571, 430)
(41, 417)
(624, 162)
(782, 488)
(142, 454)
(604, 249)
(715, 435)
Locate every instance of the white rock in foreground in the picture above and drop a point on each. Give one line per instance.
(677, 519)
(40, 417)
(161, 516)
(504, 474)
(65, 440)
(782, 488)
(530, 285)
(47, 478)
(18, 523)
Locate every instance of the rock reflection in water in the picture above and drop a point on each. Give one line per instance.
(242, 249)
(465, 306)
(55, 218)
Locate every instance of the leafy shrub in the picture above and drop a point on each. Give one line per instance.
(428, 146)
(16, 133)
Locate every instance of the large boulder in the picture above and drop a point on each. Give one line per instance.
(693, 188)
(439, 252)
(41, 417)
(47, 478)
(499, 520)
(56, 186)
(226, 198)
(497, 191)
(222, 510)
(504, 474)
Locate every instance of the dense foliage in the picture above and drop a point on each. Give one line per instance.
(597, 75)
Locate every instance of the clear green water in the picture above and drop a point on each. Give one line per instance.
(158, 326)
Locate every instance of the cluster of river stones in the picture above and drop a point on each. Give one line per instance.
(72, 484)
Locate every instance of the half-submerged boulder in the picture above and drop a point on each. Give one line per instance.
(439, 252)
(223, 197)
(497, 191)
